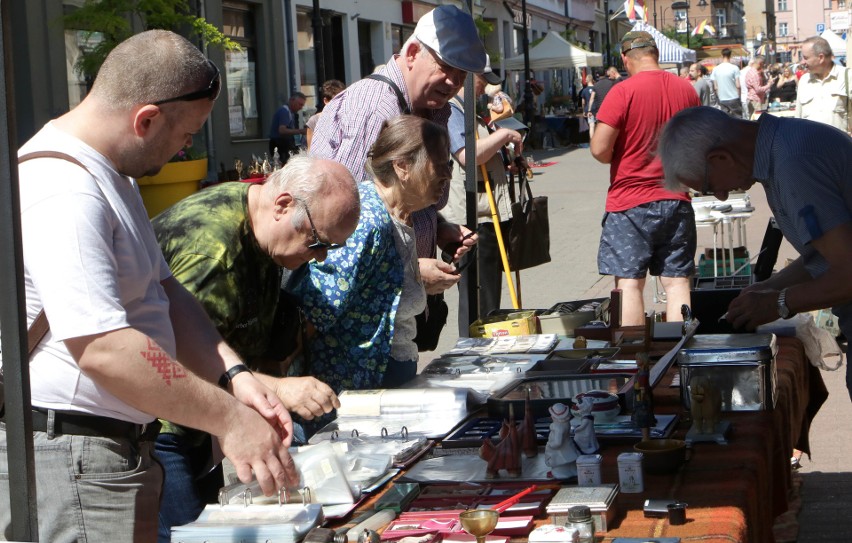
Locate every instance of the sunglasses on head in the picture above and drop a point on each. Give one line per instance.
(211, 92)
(317, 245)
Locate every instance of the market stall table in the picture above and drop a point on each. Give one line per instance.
(734, 491)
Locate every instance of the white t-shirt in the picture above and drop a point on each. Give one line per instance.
(743, 86)
(92, 261)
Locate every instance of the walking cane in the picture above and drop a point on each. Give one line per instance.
(495, 217)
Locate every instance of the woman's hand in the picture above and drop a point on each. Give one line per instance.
(437, 275)
(306, 396)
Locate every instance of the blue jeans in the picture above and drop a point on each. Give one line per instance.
(89, 488)
(186, 488)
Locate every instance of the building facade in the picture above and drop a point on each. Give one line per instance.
(290, 45)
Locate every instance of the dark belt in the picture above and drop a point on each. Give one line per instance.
(80, 424)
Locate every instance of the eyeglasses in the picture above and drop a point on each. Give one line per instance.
(317, 245)
(211, 92)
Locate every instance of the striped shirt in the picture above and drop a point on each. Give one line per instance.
(349, 126)
(806, 170)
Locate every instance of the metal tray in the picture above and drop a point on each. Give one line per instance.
(727, 349)
(571, 361)
(545, 391)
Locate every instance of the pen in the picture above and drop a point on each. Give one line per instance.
(723, 317)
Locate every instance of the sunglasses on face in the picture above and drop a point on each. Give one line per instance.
(317, 245)
(211, 92)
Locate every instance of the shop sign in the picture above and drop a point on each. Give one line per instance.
(839, 21)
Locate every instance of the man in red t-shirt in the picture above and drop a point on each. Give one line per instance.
(645, 227)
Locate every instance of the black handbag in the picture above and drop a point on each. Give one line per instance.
(431, 322)
(529, 236)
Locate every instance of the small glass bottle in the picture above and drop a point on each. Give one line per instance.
(580, 518)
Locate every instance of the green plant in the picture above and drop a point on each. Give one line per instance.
(108, 23)
(691, 42)
(190, 153)
(484, 28)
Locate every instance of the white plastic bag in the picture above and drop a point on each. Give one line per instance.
(820, 347)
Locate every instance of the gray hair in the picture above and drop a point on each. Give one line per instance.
(303, 179)
(408, 139)
(820, 46)
(148, 67)
(687, 138)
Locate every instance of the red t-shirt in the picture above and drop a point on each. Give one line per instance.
(638, 107)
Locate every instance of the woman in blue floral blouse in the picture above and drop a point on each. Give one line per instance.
(363, 298)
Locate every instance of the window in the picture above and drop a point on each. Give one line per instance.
(400, 35)
(680, 20)
(782, 5)
(841, 4)
(240, 70)
(721, 22)
(782, 29)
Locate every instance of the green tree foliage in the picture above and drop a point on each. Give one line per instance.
(111, 20)
(688, 41)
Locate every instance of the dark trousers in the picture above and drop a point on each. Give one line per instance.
(734, 108)
(490, 267)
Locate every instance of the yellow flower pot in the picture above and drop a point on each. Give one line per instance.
(176, 181)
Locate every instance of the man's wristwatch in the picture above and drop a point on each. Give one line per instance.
(229, 375)
(783, 311)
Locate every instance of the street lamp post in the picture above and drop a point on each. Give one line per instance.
(606, 28)
(684, 6)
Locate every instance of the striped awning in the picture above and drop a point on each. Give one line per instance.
(671, 52)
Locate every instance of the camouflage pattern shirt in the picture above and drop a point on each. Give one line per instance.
(211, 249)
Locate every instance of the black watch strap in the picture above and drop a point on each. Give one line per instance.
(226, 377)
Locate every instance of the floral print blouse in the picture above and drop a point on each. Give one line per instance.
(352, 298)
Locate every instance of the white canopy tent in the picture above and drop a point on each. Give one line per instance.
(671, 52)
(554, 52)
(838, 44)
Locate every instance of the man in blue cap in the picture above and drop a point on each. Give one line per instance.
(429, 70)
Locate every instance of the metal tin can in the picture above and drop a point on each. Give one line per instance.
(589, 470)
(630, 472)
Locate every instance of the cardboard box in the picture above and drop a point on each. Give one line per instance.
(521, 323)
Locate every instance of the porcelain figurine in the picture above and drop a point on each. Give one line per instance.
(560, 453)
(584, 432)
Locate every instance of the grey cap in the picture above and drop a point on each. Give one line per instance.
(451, 34)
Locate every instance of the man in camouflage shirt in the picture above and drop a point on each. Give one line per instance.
(227, 245)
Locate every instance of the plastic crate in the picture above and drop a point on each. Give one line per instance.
(742, 266)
